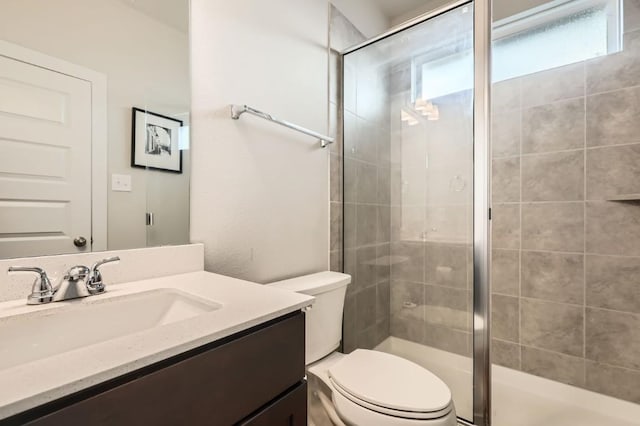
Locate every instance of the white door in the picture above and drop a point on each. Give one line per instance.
(45, 160)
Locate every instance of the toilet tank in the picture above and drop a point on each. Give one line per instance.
(324, 320)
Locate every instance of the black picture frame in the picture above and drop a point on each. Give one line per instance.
(150, 148)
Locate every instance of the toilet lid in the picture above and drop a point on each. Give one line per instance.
(390, 381)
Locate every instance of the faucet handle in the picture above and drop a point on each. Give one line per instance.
(42, 291)
(95, 283)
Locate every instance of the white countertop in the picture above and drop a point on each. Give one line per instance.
(244, 305)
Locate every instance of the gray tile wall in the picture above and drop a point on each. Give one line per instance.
(364, 203)
(566, 261)
(431, 271)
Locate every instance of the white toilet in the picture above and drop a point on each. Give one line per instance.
(368, 388)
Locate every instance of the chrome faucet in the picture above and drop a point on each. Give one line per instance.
(79, 281)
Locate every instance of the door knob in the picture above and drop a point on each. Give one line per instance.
(80, 242)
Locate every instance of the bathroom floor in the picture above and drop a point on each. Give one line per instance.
(519, 399)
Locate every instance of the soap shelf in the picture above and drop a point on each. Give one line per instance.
(624, 197)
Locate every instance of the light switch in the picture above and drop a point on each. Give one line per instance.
(121, 183)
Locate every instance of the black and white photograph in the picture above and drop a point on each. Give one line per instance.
(154, 142)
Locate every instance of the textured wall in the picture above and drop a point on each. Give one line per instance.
(260, 191)
(566, 261)
(366, 189)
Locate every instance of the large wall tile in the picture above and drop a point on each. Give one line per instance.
(367, 143)
(350, 194)
(335, 128)
(612, 117)
(350, 132)
(336, 227)
(551, 226)
(506, 226)
(366, 183)
(455, 341)
(613, 170)
(407, 299)
(504, 320)
(409, 264)
(613, 228)
(553, 85)
(506, 180)
(366, 224)
(407, 222)
(349, 329)
(505, 134)
(383, 262)
(366, 269)
(559, 367)
(613, 283)
(613, 337)
(631, 15)
(506, 354)
(615, 381)
(367, 338)
(366, 304)
(553, 127)
(383, 228)
(446, 306)
(350, 225)
(383, 300)
(407, 311)
(384, 147)
(553, 177)
(383, 330)
(553, 326)
(350, 266)
(407, 328)
(553, 276)
(335, 261)
(505, 272)
(335, 181)
(384, 185)
(505, 95)
(446, 264)
(617, 70)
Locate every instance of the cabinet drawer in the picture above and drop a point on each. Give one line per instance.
(290, 410)
(218, 387)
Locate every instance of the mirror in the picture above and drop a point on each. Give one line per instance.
(94, 125)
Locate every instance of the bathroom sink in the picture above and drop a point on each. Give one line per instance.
(80, 323)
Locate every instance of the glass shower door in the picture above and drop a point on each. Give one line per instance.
(408, 108)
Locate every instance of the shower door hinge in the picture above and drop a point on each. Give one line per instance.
(489, 213)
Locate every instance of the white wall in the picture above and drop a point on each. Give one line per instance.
(428, 6)
(259, 191)
(501, 8)
(147, 65)
(364, 15)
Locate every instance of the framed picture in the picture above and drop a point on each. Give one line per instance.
(154, 141)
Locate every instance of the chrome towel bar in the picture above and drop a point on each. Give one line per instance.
(238, 110)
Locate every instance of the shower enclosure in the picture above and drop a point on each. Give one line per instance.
(546, 149)
(415, 198)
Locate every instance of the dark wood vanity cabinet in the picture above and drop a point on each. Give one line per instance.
(254, 378)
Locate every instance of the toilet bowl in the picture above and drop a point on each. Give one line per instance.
(367, 387)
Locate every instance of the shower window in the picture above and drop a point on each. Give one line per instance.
(556, 34)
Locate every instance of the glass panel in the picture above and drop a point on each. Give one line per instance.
(566, 305)
(408, 191)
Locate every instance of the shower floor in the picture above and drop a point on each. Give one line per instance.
(519, 399)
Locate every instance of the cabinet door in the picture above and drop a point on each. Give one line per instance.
(221, 386)
(290, 410)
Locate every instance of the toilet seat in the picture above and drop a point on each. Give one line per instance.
(389, 385)
(342, 399)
